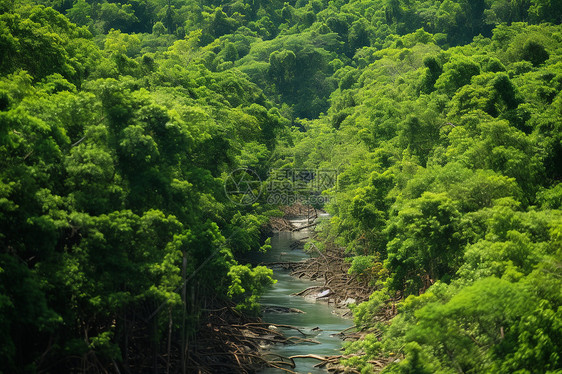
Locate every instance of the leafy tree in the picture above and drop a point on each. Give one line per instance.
(433, 72)
(456, 74)
(113, 161)
(247, 285)
(426, 244)
(90, 175)
(282, 66)
(534, 52)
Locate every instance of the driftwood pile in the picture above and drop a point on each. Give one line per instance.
(229, 342)
(281, 224)
(339, 287)
(299, 211)
(307, 214)
(332, 363)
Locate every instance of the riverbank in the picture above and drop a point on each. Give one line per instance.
(317, 320)
(330, 267)
(317, 278)
(306, 315)
(230, 342)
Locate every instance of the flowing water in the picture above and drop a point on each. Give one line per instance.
(317, 314)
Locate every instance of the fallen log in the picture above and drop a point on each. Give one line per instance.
(299, 228)
(297, 340)
(300, 293)
(278, 326)
(316, 357)
(280, 309)
(283, 264)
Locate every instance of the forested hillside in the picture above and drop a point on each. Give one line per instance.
(450, 200)
(120, 122)
(112, 193)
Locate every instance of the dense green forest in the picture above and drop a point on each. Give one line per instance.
(120, 122)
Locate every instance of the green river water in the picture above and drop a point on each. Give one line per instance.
(316, 314)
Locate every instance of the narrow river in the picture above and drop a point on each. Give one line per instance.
(317, 314)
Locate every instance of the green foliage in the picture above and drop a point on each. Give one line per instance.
(247, 284)
(534, 52)
(433, 72)
(426, 242)
(116, 136)
(282, 66)
(43, 42)
(446, 202)
(111, 186)
(456, 74)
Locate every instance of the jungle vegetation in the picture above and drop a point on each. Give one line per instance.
(120, 122)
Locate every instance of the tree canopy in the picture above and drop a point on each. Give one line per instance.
(121, 121)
